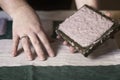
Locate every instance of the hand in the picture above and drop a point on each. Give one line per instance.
(72, 49)
(26, 23)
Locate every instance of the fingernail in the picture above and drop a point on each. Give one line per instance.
(72, 49)
(65, 43)
(13, 54)
(58, 37)
(42, 59)
(52, 55)
(30, 58)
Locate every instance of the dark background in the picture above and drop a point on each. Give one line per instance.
(108, 4)
(50, 4)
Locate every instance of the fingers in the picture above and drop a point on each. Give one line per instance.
(26, 47)
(15, 44)
(72, 49)
(107, 13)
(37, 46)
(65, 43)
(25, 40)
(46, 44)
(58, 37)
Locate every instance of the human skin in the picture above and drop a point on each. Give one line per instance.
(26, 23)
(80, 3)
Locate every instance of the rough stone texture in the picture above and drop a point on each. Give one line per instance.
(85, 26)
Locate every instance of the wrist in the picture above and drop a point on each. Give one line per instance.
(12, 6)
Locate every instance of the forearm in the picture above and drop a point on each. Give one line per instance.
(80, 3)
(12, 6)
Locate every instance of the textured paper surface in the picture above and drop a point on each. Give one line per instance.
(107, 54)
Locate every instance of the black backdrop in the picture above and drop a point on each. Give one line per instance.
(50, 4)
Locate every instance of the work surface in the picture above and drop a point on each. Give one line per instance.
(102, 64)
